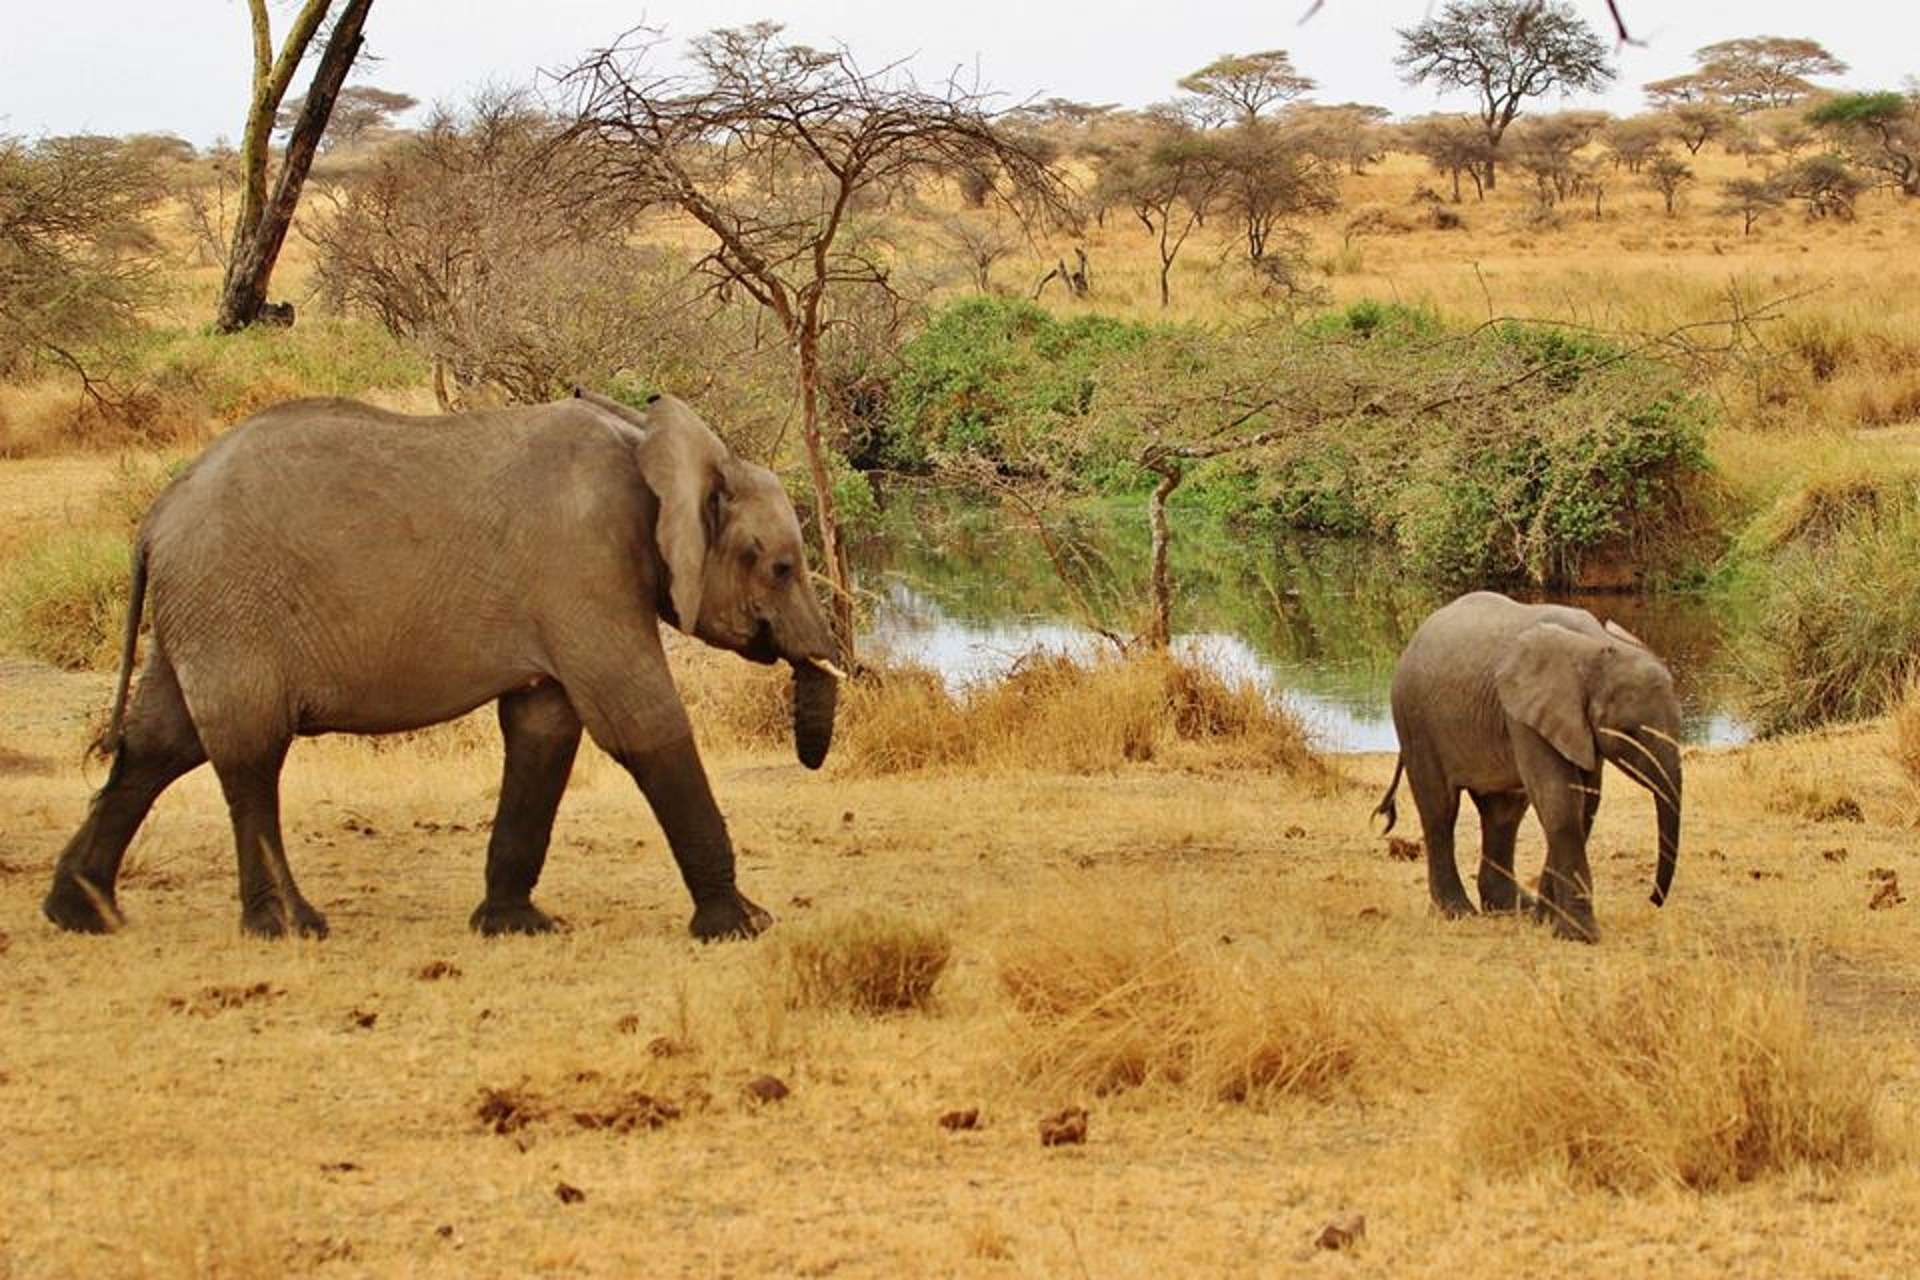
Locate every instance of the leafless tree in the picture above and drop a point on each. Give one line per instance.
(979, 239)
(260, 227)
(486, 240)
(772, 148)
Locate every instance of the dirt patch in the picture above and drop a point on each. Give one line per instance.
(209, 1001)
(616, 1109)
(19, 764)
(1844, 995)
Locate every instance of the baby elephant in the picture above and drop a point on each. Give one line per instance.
(1518, 705)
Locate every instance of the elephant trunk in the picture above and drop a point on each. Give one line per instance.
(816, 690)
(1666, 800)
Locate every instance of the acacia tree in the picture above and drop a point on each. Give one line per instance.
(776, 150)
(1265, 177)
(77, 256)
(260, 226)
(358, 110)
(1239, 86)
(1507, 51)
(1880, 133)
(1170, 182)
(1453, 145)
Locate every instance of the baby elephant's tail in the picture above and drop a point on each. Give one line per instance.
(1385, 807)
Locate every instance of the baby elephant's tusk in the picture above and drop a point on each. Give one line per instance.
(829, 668)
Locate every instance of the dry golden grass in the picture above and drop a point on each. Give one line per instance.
(178, 1100)
(1140, 882)
(867, 961)
(1114, 999)
(1054, 713)
(1694, 1068)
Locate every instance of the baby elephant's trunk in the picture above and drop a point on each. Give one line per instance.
(816, 691)
(1666, 801)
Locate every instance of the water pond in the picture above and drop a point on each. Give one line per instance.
(967, 590)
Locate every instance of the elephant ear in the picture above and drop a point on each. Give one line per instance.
(1619, 632)
(1542, 683)
(684, 464)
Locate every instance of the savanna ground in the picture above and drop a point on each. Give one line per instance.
(1216, 956)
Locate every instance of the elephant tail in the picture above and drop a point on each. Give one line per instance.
(1385, 809)
(107, 745)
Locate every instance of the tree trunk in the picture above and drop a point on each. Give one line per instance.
(251, 266)
(1160, 624)
(271, 76)
(831, 548)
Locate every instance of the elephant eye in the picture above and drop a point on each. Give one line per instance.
(782, 570)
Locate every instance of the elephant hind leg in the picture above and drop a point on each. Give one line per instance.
(542, 733)
(246, 729)
(1439, 803)
(158, 746)
(1500, 815)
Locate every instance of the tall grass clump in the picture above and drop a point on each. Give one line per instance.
(865, 961)
(63, 600)
(1701, 1073)
(1837, 630)
(1108, 1005)
(1052, 712)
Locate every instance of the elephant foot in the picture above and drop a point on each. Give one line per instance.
(272, 920)
(727, 919)
(78, 907)
(1454, 908)
(492, 919)
(1573, 923)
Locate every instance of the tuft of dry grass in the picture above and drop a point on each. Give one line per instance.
(64, 599)
(867, 961)
(1054, 713)
(1700, 1071)
(1111, 1005)
(1904, 723)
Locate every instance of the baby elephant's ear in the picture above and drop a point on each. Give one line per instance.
(683, 462)
(1620, 633)
(1542, 683)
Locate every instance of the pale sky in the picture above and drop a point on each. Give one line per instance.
(180, 66)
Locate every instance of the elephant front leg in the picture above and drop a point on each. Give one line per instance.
(542, 733)
(1500, 814)
(675, 784)
(1566, 884)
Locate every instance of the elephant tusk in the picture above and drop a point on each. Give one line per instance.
(1642, 748)
(829, 668)
(1664, 737)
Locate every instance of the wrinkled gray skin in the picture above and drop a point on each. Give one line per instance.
(328, 567)
(1517, 705)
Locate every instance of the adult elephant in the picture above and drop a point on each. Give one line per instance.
(329, 567)
(1518, 705)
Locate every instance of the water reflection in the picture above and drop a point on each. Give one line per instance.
(1315, 622)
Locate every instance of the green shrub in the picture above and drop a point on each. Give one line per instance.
(64, 599)
(994, 377)
(1505, 453)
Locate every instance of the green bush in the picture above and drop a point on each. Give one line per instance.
(64, 600)
(1505, 453)
(993, 378)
